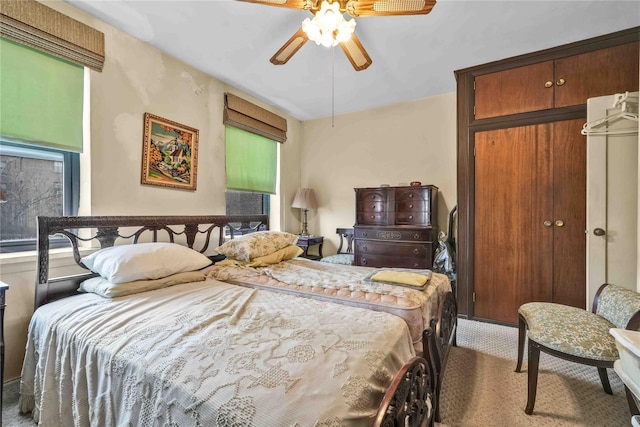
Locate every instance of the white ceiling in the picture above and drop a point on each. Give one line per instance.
(413, 56)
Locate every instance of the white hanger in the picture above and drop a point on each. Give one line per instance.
(626, 103)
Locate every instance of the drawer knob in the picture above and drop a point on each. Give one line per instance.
(411, 196)
(410, 206)
(373, 206)
(364, 261)
(416, 252)
(373, 196)
(364, 234)
(410, 216)
(373, 216)
(416, 265)
(416, 236)
(364, 248)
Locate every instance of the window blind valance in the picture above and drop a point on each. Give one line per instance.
(45, 29)
(247, 116)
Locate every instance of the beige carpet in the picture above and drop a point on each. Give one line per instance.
(481, 388)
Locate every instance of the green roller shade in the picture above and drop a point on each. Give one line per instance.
(40, 97)
(252, 161)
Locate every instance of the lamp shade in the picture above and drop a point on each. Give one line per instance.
(305, 199)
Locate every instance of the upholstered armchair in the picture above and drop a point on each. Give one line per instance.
(575, 334)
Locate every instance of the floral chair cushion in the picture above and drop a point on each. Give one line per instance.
(570, 330)
(618, 305)
(344, 259)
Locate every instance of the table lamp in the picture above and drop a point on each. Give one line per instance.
(305, 199)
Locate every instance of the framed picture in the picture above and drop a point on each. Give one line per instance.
(169, 154)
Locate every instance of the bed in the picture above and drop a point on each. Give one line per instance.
(343, 284)
(205, 352)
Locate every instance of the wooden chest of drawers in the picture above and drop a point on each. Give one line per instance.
(394, 226)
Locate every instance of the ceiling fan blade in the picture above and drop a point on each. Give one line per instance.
(388, 7)
(289, 4)
(289, 48)
(358, 57)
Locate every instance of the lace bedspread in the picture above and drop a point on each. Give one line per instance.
(344, 284)
(209, 354)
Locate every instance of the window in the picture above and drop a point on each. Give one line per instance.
(252, 135)
(246, 203)
(35, 181)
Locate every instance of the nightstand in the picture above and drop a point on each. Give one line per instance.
(305, 242)
(3, 289)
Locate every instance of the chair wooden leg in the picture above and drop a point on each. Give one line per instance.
(604, 378)
(521, 336)
(532, 371)
(436, 417)
(633, 406)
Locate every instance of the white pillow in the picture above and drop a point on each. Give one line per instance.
(103, 287)
(141, 261)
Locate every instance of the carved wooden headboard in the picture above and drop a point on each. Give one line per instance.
(109, 230)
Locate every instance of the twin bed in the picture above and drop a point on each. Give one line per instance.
(160, 337)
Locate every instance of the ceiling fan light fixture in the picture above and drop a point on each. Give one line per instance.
(328, 26)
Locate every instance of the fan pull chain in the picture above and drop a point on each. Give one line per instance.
(333, 84)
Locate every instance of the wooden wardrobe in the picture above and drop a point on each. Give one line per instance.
(522, 172)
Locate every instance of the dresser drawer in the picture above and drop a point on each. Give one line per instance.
(369, 195)
(372, 218)
(391, 261)
(412, 218)
(421, 234)
(376, 247)
(371, 206)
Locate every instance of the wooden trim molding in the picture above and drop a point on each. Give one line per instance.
(38, 26)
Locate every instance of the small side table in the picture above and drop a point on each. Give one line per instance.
(305, 242)
(3, 290)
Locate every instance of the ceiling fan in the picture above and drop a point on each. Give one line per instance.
(329, 27)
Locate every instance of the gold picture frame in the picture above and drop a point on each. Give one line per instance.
(169, 153)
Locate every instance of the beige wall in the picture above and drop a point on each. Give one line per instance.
(397, 144)
(138, 78)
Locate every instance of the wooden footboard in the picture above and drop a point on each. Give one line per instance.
(106, 230)
(438, 339)
(410, 400)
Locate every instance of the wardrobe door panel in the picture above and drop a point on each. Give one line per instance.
(570, 207)
(513, 252)
(516, 90)
(597, 73)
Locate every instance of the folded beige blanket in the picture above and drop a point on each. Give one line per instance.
(401, 277)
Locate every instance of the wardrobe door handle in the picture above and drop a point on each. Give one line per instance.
(559, 223)
(547, 223)
(548, 84)
(560, 82)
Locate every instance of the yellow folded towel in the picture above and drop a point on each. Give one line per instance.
(402, 277)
